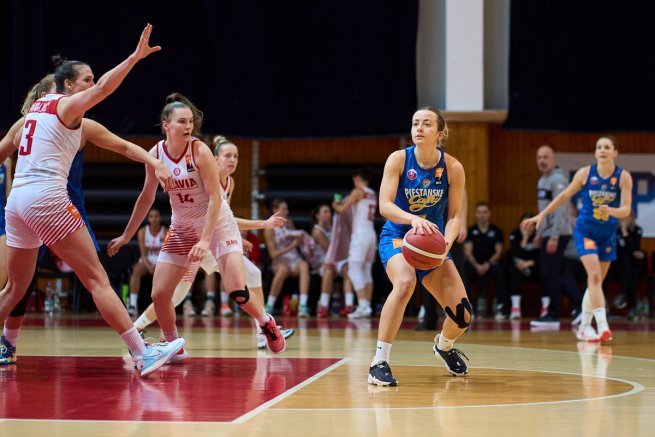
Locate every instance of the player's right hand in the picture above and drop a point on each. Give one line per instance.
(424, 226)
(115, 244)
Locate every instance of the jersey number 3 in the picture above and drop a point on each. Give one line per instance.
(30, 125)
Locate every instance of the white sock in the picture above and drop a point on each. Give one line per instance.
(444, 343)
(363, 303)
(304, 298)
(601, 319)
(142, 322)
(516, 301)
(224, 298)
(211, 295)
(134, 342)
(271, 301)
(587, 310)
(545, 301)
(382, 353)
(133, 299)
(11, 335)
(171, 336)
(350, 299)
(324, 300)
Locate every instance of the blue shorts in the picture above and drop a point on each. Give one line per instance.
(595, 239)
(391, 244)
(3, 231)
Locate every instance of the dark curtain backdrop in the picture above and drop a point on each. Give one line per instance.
(256, 68)
(582, 65)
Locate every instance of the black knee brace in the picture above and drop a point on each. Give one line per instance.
(241, 297)
(458, 316)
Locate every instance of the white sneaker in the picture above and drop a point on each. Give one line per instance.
(188, 309)
(209, 309)
(157, 355)
(361, 313)
(587, 333)
(515, 314)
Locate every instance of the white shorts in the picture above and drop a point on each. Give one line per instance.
(363, 246)
(181, 238)
(35, 217)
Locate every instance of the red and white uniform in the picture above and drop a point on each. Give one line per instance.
(39, 209)
(363, 239)
(153, 243)
(283, 238)
(189, 204)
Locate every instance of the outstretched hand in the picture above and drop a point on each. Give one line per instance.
(275, 221)
(143, 49)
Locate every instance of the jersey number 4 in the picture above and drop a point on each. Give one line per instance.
(30, 126)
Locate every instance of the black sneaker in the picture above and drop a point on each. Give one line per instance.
(380, 374)
(453, 359)
(8, 352)
(546, 320)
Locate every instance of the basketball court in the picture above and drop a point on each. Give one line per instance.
(72, 379)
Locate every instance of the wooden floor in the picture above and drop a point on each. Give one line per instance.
(71, 379)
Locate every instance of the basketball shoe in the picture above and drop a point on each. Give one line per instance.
(361, 313)
(7, 352)
(587, 333)
(261, 338)
(180, 356)
(322, 312)
(380, 374)
(209, 309)
(274, 339)
(156, 355)
(515, 314)
(453, 359)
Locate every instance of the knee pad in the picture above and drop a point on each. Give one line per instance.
(253, 274)
(460, 311)
(241, 297)
(357, 274)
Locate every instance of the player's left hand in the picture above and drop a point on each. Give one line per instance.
(198, 251)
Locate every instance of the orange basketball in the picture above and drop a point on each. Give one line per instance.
(424, 252)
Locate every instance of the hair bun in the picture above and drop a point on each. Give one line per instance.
(57, 60)
(176, 97)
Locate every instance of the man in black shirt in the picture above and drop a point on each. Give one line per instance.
(483, 250)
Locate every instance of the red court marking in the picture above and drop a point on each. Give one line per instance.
(107, 388)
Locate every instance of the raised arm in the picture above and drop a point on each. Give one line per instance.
(71, 109)
(141, 208)
(355, 196)
(103, 138)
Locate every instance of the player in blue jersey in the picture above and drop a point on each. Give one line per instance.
(422, 188)
(606, 198)
(5, 187)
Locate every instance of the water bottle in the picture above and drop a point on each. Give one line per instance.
(286, 306)
(125, 294)
(295, 302)
(49, 304)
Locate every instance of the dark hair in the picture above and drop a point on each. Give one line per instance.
(362, 173)
(612, 140)
(218, 142)
(65, 69)
(176, 101)
(483, 203)
(441, 123)
(34, 94)
(275, 203)
(314, 212)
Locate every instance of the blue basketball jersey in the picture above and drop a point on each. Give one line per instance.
(422, 192)
(3, 196)
(74, 187)
(599, 191)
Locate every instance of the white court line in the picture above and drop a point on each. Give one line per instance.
(636, 388)
(557, 350)
(266, 405)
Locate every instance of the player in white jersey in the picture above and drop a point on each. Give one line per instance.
(227, 156)
(361, 254)
(150, 239)
(40, 211)
(201, 222)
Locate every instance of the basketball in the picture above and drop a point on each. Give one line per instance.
(424, 252)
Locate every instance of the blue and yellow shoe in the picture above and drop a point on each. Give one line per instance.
(7, 352)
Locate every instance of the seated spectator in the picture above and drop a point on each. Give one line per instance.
(150, 238)
(283, 247)
(631, 263)
(322, 222)
(483, 250)
(521, 265)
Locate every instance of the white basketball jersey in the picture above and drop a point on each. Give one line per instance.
(153, 244)
(187, 195)
(47, 146)
(363, 212)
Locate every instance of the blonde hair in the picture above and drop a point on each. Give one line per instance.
(41, 87)
(218, 142)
